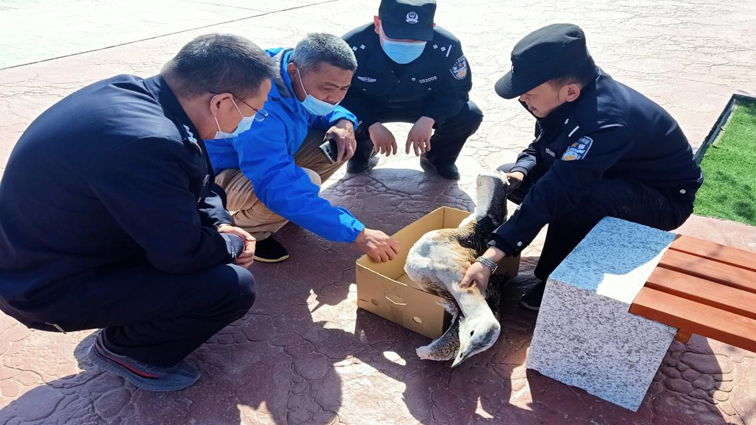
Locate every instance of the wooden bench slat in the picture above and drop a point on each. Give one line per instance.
(704, 291)
(715, 251)
(725, 274)
(683, 336)
(697, 318)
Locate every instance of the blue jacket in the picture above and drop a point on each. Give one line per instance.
(265, 154)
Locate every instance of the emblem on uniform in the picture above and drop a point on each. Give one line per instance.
(578, 150)
(412, 18)
(366, 79)
(459, 70)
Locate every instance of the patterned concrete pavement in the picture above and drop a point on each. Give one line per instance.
(304, 354)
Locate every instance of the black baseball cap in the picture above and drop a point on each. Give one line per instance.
(408, 19)
(551, 52)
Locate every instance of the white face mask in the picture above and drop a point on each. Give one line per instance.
(314, 105)
(244, 125)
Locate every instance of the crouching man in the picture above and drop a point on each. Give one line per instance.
(601, 149)
(272, 169)
(111, 220)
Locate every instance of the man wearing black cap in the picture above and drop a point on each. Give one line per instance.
(601, 149)
(410, 71)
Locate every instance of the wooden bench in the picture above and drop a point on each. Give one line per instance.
(703, 288)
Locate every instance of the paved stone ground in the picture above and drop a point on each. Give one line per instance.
(305, 354)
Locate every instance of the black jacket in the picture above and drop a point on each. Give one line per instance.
(610, 132)
(111, 175)
(436, 84)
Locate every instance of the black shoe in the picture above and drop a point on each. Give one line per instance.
(532, 299)
(357, 165)
(144, 376)
(447, 171)
(270, 251)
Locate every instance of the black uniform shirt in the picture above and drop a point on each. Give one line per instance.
(610, 132)
(437, 84)
(114, 174)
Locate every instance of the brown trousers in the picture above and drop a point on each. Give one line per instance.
(249, 212)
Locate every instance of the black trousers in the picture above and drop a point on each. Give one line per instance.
(625, 199)
(447, 140)
(161, 318)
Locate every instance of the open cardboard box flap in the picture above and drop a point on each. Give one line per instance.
(386, 290)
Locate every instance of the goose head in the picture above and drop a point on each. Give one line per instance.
(476, 335)
(491, 196)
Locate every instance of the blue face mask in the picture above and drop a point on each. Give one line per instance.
(403, 52)
(314, 105)
(244, 125)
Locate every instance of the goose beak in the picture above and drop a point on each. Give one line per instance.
(458, 361)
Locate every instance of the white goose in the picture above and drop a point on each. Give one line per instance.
(438, 262)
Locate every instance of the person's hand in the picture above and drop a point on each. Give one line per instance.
(478, 273)
(383, 140)
(515, 180)
(247, 257)
(420, 135)
(343, 133)
(377, 245)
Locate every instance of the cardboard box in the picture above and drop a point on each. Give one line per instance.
(386, 290)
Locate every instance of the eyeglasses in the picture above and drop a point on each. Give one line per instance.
(260, 114)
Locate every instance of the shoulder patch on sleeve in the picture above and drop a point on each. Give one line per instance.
(578, 150)
(459, 70)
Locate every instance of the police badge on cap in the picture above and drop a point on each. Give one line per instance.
(408, 19)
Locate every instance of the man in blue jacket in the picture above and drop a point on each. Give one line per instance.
(601, 149)
(272, 172)
(110, 218)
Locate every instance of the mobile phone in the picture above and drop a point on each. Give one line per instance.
(331, 150)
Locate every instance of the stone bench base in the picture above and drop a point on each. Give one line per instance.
(585, 335)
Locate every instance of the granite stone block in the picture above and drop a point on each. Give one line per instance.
(584, 334)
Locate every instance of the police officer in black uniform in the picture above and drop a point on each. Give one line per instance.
(601, 149)
(410, 71)
(110, 218)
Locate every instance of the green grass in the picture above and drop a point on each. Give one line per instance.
(729, 166)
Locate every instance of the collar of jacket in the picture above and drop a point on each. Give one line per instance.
(600, 105)
(161, 91)
(564, 117)
(284, 91)
(557, 117)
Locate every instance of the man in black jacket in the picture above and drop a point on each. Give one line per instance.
(601, 149)
(410, 71)
(110, 218)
